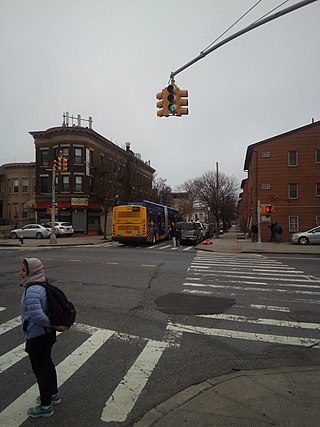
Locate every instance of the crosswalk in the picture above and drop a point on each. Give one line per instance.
(266, 289)
(120, 402)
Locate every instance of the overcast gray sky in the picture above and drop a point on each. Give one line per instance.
(108, 58)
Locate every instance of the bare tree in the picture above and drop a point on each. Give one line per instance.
(161, 192)
(217, 192)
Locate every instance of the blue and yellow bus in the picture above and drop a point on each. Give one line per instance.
(142, 222)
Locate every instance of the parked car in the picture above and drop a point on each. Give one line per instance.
(190, 232)
(61, 228)
(306, 237)
(32, 231)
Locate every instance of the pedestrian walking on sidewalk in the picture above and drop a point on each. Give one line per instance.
(40, 337)
(254, 232)
(271, 226)
(277, 230)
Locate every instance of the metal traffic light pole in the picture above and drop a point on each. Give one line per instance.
(243, 31)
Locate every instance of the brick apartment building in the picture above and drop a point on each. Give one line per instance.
(283, 171)
(98, 169)
(17, 193)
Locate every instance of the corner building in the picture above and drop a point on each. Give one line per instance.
(99, 172)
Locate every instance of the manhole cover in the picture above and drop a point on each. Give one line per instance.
(305, 316)
(192, 304)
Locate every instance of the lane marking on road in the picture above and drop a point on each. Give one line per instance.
(266, 307)
(251, 336)
(2, 308)
(148, 265)
(233, 275)
(75, 260)
(10, 324)
(16, 413)
(188, 248)
(256, 267)
(247, 282)
(165, 247)
(124, 397)
(261, 321)
(112, 263)
(249, 288)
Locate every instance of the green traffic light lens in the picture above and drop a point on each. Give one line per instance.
(171, 108)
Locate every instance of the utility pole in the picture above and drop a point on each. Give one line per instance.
(259, 244)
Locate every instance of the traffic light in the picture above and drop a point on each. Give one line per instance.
(57, 164)
(269, 209)
(182, 102)
(162, 103)
(65, 164)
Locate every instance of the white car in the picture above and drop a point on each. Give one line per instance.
(61, 228)
(31, 231)
(306, 237)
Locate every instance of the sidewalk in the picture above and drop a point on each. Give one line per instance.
(282, 397)
(237, 243)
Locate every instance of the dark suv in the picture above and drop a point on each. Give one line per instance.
(190, 232)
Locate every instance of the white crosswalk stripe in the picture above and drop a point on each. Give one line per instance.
(254, 282)
(121, 401)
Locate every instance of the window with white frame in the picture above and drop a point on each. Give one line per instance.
(78, 184)
(25, 185)
(293, 158)
(317, 156)
(24, 210)
(15, 185)
(318, 189)
(293, 191)
(44, 157)
(293, 224)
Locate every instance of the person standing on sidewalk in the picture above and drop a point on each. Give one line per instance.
(173, 234)
(40, 337)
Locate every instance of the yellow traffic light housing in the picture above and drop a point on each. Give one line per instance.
(162, 104)
(182, 102)
(65, 164)
(172, 101)
(55, 164)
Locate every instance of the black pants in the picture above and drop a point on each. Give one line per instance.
(39, 351)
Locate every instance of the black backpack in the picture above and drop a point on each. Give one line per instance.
(62, 313)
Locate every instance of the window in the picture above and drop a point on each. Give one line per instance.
(317, 156)
(15, 185)
(44, 157)
(15, 211)
(293, 224)
(25, 185)
(318, 189)
(265, 154)
(65, 183)
(78, 156)
(24, 211)
(293, 191)
(65, 151)
(9, 186)
(1, 187)
(265, 186)
(317, 220)
(293, 158)
(44, 184)
(78, 184)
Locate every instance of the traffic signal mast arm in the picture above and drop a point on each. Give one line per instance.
(243, 31)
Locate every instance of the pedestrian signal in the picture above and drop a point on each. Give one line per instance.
(269, 209)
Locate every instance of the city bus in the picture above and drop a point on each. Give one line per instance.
(142, 222)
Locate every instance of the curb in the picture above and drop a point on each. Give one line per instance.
(162, 409)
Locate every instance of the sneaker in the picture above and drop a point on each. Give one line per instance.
(55, 399)
(40, 411)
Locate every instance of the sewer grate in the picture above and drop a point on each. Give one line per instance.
(305, 316)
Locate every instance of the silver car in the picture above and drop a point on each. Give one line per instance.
(32, 231)
(306, 237)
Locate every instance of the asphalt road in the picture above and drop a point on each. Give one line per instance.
(151, 322)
